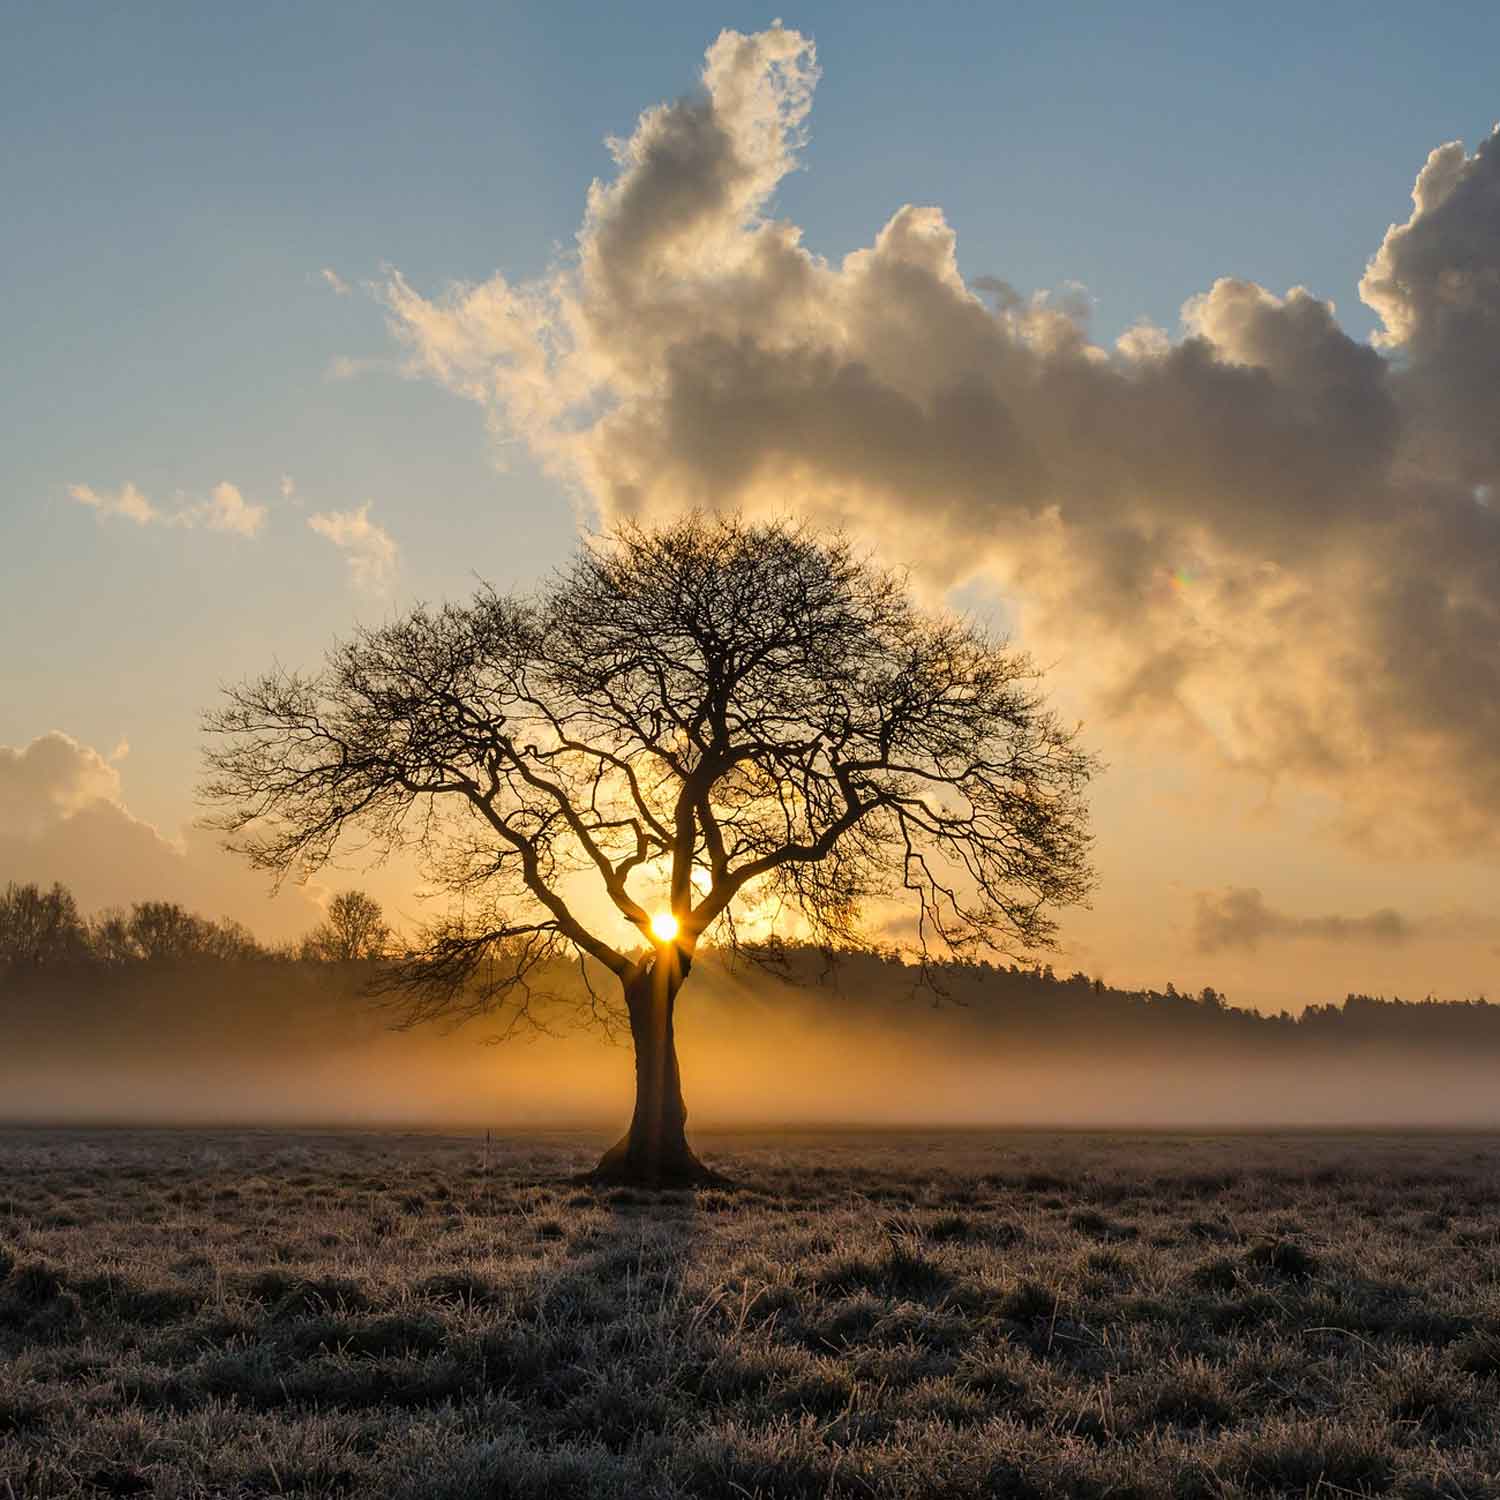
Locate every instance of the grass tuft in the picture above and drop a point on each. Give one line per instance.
(34, 1285)
(1029, 1302)
(465, 1288)
(1312, 1463)
(1479, 1354)
(1283, 1258)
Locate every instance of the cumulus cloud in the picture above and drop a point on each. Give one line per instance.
(1259, 535)
(50, 779)
(63, 818)
(1435, 282)
(226, 509)
(368, 547)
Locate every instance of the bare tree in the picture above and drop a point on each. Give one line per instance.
(109, 938)
(164, 932)
(354, 929)
(712, 723)
(40, 927)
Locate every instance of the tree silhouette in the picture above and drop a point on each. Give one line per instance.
(164, 932)
(39, 927)
(354, 929)
(691, 728)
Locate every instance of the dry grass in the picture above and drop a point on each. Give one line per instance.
(215, 1314)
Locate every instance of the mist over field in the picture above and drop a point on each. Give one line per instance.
(297, 1043)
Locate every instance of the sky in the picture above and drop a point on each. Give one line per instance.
(1119, 326)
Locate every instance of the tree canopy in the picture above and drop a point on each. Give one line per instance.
(354, 930)
(726, 721)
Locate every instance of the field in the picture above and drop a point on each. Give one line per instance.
(235, 1314)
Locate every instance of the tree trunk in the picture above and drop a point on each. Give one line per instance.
(654, 1152)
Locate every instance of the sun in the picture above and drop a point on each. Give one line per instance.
(664, 927)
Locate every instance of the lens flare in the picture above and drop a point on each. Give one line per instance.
(664, 927)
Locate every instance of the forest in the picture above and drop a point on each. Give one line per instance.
(130, 969)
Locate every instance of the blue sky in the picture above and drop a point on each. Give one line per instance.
(177, 177)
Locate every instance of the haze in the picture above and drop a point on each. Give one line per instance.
(301, 1045)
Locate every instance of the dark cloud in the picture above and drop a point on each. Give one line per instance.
(1239, 918)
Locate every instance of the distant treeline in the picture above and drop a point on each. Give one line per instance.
(1036, 1004)
(312, 985)
(44, 928)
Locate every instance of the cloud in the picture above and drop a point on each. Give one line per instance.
(1239, 918)
(226, 509)
(1435, 281)
(341, 288)
(346, 367)
(52, 778)
(127, 501)
(63, 818)
(1259, 537)
(369, 548)
(288, 488)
